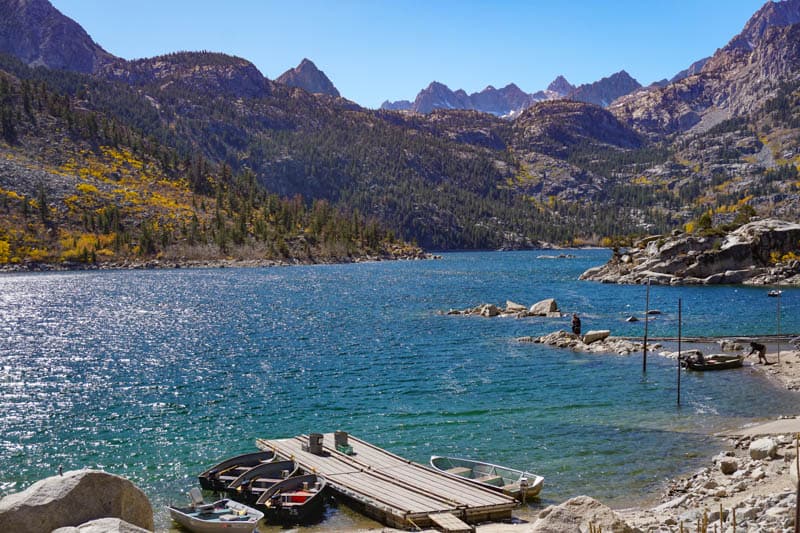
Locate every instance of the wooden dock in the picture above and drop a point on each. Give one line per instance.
(394, 490)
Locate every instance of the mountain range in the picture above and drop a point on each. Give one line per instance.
(511, 100)
(190, 152)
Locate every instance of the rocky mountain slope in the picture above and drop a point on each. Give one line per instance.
(307, 76)
(561, 171)
(734, 81)
(38, 34)
(606, 90)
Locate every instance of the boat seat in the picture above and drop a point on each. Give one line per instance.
(490, 479)
(511, 487)
(459, 471)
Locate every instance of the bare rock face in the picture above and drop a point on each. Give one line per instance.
(736, 80)
(746, 255)
(77, 497)
(39, 35)
(103, 525)
(576, 514)
(307, 76)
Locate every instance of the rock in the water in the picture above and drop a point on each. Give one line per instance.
(103, 525)
(763, 448)
(489, 310)
(595, 335)
(545, 306)
(75, 498)
(745, 255)
(513, 307)
(576, 514)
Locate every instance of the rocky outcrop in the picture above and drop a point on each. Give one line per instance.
(578, 515)
(598, 344)
(77, 497)
(750, 254)
(103, 525)
(204, 73)
(308, 77)
(548, 308)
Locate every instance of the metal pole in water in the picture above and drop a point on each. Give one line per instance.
(646, 316)
(779, 325)
(679, 349)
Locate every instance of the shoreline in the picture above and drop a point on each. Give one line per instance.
(756, 487)
(177, 264)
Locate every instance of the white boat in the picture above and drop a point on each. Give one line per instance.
(521, 485)
(221, 516)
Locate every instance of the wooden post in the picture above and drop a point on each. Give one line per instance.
(679, 350)
(646, 317)
(797, 493)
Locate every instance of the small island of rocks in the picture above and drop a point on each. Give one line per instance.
(764, 252)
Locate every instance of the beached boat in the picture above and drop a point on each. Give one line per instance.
(220, 475)
(255, 481)
(221, 516)
(296, 500)
(516, 483)
(715, 362)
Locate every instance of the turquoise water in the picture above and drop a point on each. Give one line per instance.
(156, 374)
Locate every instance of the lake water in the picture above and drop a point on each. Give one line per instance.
(155, 375)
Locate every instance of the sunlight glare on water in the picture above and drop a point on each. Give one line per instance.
(155, 375)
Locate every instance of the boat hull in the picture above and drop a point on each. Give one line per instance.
(495, 477)
(222, 516)
(210, 479)
(280, 506)
(711, 363)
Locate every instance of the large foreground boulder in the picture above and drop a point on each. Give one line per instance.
(576, 514)
(103, 525)
(77, 497)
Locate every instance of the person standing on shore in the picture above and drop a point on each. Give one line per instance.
(761, 350)
(576, 324)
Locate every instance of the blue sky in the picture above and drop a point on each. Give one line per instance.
(380, 49)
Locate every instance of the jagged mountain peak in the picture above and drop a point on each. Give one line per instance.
(606, 90)
(40, 35)
(780, 13)
(307, 76)
(561, 86)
